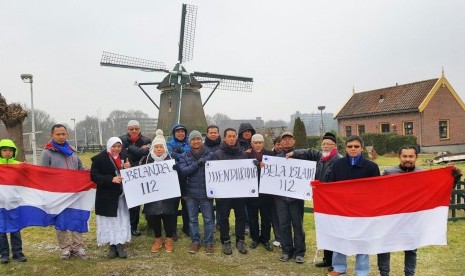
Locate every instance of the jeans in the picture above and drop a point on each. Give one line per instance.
(410, 263)
(16, 244)
(362, 263)
(206, 208)
(224, 206)
(261, 205)
(290, 213)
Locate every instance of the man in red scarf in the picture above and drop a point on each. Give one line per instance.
(135, 146)
(324, 159)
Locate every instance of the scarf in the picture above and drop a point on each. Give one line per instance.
(211, 143)
(354, 160)
(198, 153)
(117, 160)
(158, 158)
(134, 139)
(330, 155)
(65, 148)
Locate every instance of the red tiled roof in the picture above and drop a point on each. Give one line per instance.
(395, 99)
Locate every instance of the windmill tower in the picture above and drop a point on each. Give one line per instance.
(180, 99)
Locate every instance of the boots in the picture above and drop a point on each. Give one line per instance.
(169, 245)
(121, 252)
(112, 252)
(157, 245)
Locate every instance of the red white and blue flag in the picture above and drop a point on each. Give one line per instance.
(383, 214)
(41, 196)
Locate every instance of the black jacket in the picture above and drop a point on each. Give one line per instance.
(227, 152)
(245, 144)
(162, 207)
(342, 170)
(133, 150)
(194, 174)
(102, 172)
(323, 168)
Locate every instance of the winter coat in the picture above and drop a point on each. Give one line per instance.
(245, 144)
(342, 170)
(52, 157)
(323, 168)
(107, 195)
(259, 157)
(133, 150)
(161, 207)
(212, 145)
(177, 147)
(228, 153)
(194, 174)
(7, 143)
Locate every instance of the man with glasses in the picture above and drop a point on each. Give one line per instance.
(325, 160)
(135, 146)
(352, 166)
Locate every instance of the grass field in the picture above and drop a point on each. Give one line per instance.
(41, 248)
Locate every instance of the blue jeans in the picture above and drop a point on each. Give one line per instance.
(206, 208)
(16, 244)
(362, 263)
(410, 263)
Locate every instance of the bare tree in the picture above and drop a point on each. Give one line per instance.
(13, 115)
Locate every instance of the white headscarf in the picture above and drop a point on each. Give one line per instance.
(111, 142)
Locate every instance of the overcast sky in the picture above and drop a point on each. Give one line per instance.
(301, 54)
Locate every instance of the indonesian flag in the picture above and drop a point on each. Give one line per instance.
(383, 214)
(41, 196)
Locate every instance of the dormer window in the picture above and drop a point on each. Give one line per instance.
(381, 99)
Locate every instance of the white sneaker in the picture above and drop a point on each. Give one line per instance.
(65, 254)
(276, 243)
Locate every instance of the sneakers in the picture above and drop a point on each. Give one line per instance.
(65, 254)
(254, 244)
(276, 243)
(169, 245)
(268, 246)
(19, 257)
(227, 248)
(157, 245)
(136, 233)
(334, 273)
(299, 259)
(121, 252)
(284, 258)
(194, 248)
(241, 246)
(112, 252)
(209, 249)
(5, 259)
(81, 253)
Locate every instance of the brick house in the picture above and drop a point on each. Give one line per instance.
(431, 110)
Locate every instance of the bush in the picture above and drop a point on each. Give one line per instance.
(387, 142)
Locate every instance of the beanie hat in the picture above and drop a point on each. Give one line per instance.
(133, 123)
(195, 134)
(257, 138)
(330, 136)
(159, 139)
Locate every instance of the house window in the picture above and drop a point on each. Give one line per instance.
(361, 129)
(444, 129)
(408, 128)
(348, 131)
(385, 128)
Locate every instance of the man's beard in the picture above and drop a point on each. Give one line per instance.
(326, 153)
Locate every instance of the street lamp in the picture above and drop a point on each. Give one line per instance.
(27, 78)
(75, 133)
(322, 128)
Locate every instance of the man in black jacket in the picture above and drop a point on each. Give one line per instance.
(230, 149)
(135, 146)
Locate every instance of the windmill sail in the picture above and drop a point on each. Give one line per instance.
(187, 34)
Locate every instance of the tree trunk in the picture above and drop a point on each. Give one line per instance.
(13, 115)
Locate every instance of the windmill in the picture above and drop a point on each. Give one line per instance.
(180, 100)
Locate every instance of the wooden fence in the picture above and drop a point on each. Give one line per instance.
(457, 202)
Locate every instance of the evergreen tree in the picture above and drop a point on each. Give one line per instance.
(300, 135)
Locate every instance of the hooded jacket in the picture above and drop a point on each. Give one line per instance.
(177, 147)
(245, 144)
(7, 143)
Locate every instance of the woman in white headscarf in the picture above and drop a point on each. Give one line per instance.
(112, 218)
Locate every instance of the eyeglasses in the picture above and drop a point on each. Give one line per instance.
(353, 146)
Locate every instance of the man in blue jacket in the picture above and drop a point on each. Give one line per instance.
(192, 167)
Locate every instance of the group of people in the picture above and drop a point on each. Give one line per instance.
(116, 224)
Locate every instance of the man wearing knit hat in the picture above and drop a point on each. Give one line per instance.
(135, 146)
(261, 204)
(324, 159)
(192, 167)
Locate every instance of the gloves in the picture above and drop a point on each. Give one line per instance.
(255, 162)
(200, 162)
(175, 167)
(456, 173)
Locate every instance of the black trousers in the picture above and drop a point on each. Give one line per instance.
(169, 224)
(134, 214)
(260, 207)
(290, 214)
(224, 207)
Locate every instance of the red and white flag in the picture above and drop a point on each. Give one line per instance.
(383, 214)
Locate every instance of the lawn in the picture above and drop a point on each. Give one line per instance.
(41, 248)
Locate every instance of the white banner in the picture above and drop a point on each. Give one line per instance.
(151, 182)
(287, 177)
(231, 178)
